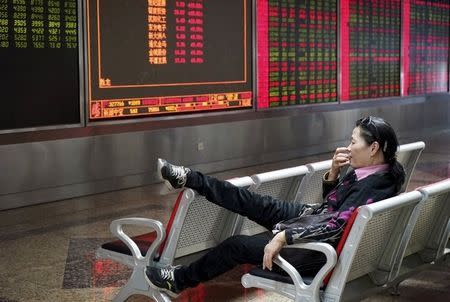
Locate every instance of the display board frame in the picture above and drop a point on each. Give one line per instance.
(406, 60)
(81, 75)
(345, 72)
(251, 74)
(301, 105)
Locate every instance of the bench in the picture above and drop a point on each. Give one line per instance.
(362, 262)
(185, 238)
(388, 241)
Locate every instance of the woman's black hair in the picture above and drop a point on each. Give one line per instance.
(375, 129)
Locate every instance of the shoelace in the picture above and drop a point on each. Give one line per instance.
(167, 274)
(179, 173)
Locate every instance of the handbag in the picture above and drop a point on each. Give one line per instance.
(303, 221)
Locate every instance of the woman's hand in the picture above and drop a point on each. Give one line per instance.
(273, 248)
(341, 158)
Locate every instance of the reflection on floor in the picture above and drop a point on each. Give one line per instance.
(47, 251)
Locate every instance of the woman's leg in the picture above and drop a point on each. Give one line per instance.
(243, 249)
(231, 252)
(264, 210)
(235, 250)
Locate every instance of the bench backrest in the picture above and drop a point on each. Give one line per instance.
(281, 184)
(199, 224)
(408, 155)
(372, 243)
(311, 188)
(430, 233)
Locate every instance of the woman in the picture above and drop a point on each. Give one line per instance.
(375, 175)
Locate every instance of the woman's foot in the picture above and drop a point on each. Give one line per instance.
(163, 279)
(174, 176)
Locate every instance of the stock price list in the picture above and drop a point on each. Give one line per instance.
(39, 50)
(158, 57)
(296, 52)
(370, 49)
(426, 64)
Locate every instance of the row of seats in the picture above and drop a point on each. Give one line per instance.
(383, 244)
(185, 238)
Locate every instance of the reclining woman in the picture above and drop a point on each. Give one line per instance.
(375, 175)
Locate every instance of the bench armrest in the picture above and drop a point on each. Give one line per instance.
(314, 287)
(116, 228)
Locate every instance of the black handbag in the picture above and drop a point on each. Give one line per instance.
(303, 221)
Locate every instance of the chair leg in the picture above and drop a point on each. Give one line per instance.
(447, 259)
(137, 285)
(394, 290)
(127, 291)
(160, 297)
(124, 293)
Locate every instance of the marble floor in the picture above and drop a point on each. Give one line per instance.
(47, 252)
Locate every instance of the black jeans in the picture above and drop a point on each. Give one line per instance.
(241, 249)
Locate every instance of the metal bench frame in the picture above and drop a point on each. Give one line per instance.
(346, 268)
(170, 252)
(386, 268)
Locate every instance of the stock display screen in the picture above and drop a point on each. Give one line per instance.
(426, 32)
(370, 48)
(296, 52)
(39, 63)
(156, 57)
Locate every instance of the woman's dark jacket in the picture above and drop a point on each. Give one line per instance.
(326, 221)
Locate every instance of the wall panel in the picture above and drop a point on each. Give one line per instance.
(51, 170)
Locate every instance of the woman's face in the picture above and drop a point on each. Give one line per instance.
(360, 151)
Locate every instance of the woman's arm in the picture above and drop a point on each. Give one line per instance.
(273, 248)
(340, 159)
(328, 185)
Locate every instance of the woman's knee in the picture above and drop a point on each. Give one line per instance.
(240, 246)
(236, 242)
(244, 249)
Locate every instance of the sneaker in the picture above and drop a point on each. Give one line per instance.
(174, 176)
(163, 279)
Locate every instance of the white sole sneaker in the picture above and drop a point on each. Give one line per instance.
(160, 289)
(167, 187)
(159, 167)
